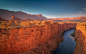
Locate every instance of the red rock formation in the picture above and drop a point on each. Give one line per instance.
(17, 40)
(7, 15)
(1, 19)
(13, 18)
(74, 19)
(80, 36)
(49, 46)
(39, 15)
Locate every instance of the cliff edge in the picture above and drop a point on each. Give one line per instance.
(31, 37)
(80, 37)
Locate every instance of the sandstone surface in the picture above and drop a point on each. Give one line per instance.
(31, 37)
(80, 36)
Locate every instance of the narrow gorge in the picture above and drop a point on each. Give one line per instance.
(40, 37)
(32, 39)
(68, 44)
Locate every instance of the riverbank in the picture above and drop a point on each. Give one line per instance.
(49, 46)
(73, 34)
(68, 44)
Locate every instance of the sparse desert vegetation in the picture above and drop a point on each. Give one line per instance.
(73, 34)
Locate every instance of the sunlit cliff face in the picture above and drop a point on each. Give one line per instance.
(21, 36)
(80, 36)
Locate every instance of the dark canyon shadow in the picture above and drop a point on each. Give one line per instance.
(68, 44)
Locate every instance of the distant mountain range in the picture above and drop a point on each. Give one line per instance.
(74, 19)
(21, 16)
(13, 18)
(6, 14)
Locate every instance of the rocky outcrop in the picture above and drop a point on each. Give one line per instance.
(13, 18)
(80, 36)
(7, 15)
(36, 39)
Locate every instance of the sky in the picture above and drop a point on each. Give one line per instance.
(48, 8)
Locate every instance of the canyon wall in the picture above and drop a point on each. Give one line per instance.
(49, 46)
(21, 39)
(80, 37)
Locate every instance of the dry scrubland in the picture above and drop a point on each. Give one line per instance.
(39, 37)
(14, 24)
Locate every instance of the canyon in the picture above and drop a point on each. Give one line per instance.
(38, 37)
(35, 34)
(34, 39)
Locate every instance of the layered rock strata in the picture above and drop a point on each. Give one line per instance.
(49, 46)
(36, 39)
(80, 36)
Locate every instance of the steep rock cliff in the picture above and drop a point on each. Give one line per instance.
(36, 39)
(80, 36)
(49, 46)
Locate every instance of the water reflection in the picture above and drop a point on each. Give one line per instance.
(68, 44)
(72, 37)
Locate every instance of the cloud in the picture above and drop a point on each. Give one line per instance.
(80, 12)
(83, 15)
(84, 8)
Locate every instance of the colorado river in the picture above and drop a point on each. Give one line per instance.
(68, 44)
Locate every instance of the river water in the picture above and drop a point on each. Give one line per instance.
(68, 44)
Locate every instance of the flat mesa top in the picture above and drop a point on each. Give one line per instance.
(14, 24)
(82, 24)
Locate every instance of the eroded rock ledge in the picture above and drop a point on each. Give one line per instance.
(80, 36)
(31, 39)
